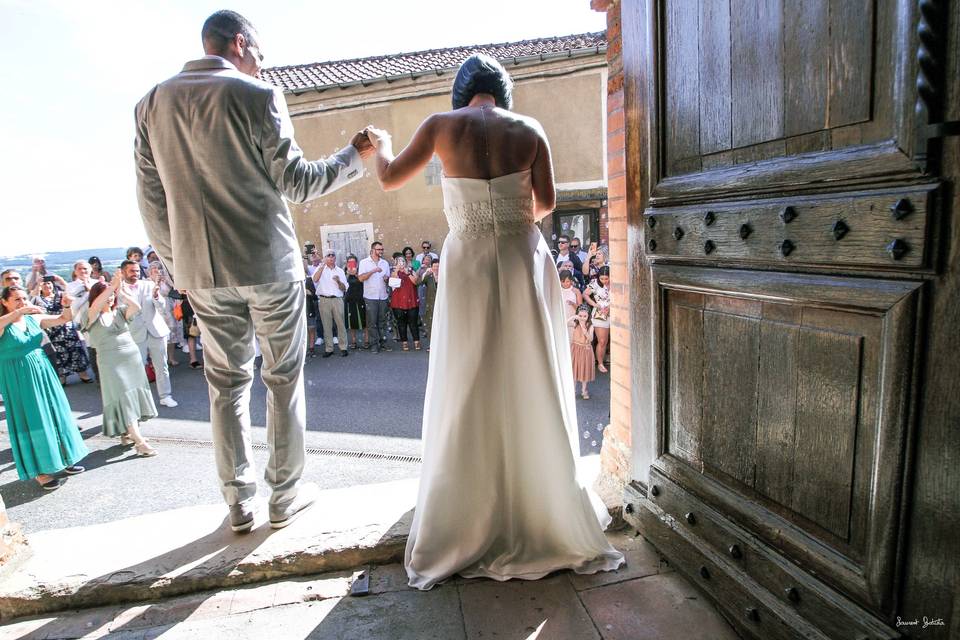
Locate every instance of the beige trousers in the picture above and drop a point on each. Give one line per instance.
(331, 311)
(230, 318)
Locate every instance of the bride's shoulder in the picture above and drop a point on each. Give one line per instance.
(527, 122)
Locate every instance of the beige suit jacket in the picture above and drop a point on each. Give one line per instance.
(216, 159)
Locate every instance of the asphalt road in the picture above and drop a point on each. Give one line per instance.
(364, 417)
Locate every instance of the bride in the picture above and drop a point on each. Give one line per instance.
(499, 495)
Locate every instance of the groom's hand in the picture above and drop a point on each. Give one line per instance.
(363, 145)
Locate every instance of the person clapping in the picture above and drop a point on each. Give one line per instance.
(69, 355)
(404, 302)
(127, 400)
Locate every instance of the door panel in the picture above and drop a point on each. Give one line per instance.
(729, 416)
(770, 409)
(772, 79)
(756, 71)
(827, 389)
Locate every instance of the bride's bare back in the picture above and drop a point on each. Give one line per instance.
(476, 141)
(484, 142)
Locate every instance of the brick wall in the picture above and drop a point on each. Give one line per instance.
(615, 454)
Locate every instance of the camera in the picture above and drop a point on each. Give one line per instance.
(48, 279)
(308, 249)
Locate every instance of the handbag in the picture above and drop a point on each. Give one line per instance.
(178, 311)
(194, 330)
(151, 373)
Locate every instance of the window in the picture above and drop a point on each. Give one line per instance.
(577, 224)
(346, 239)
(433, 171)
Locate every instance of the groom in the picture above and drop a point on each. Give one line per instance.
(215, 159)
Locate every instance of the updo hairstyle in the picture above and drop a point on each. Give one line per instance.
(482, 74)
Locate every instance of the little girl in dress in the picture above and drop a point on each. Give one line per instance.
(581, 349)
(572, 298)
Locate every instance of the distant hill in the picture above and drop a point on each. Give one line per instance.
(61, 262)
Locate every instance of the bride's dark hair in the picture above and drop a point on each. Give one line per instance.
(482, 74)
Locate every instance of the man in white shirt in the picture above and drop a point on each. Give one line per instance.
(148, 328)
(374, 273)
(331, 283)
(425, 246)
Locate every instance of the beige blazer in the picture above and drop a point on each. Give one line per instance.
(216, 159)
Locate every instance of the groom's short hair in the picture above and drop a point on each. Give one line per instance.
(221, 28)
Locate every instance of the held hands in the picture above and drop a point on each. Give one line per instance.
(363, 144)
(378, 137)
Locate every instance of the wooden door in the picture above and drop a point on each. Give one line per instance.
(791, 229)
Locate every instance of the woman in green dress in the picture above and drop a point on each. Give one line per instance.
(127, 400)
(43, 434)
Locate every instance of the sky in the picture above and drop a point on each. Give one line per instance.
(73, 72)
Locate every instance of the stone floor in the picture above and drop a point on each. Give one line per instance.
(644, 600)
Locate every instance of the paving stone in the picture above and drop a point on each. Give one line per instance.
(401, 615)
(74, 624)
(307, 589)
(409, 615)
(642, 560)
(388, 578)
(522, 609)
(659, 607)
(291, 621)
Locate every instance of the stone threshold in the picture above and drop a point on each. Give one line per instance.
(188, 550)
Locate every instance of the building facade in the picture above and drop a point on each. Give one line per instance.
(559, 81)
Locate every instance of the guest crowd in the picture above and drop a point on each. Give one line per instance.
(357, 303)
(118, 329)
(123, 330)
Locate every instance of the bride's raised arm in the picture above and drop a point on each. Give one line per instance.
(541, 173)
(394, 172)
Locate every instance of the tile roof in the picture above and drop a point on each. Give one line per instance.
(318, 75)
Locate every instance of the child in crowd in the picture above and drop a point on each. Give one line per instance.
(581, 349)
(572, 298)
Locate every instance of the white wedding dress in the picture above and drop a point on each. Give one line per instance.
(499, 496)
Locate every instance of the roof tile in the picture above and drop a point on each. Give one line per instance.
(324, 74)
